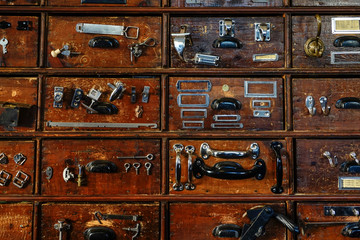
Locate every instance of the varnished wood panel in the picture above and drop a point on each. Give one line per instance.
(60, 154)
(22, 47)
(150, 27)
(10, 149)
(333, 89)
(325, 3)
(126, 109)
(221, 3)
(20, 90)
(207, 185)
(16, 221)
(235, 90)
(129, 3)
(205, 30)
(197, 220)
(305, 27)
(81, 217)
(19, 2)
(314, 173)
(315, 225)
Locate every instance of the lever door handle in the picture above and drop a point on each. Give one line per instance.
(348, 103)
(252, 151)
(226, 104)
(101, 166)
(351, 230)
(347, 41)
(229, 170)
(277, 146)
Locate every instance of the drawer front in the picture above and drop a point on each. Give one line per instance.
(209, 184)
(81, 217)
(20, 2)
(82, 55)
(192, 102)
(217, 3)
(204, 31)
(107, 3)
(325, 3)
(17, 177)
(136, 116)
(198, 220)
(333, 29)
(316, 174)
(99, 178)
(16, 221)
(18, 100)
(338, 116)
(22, 41)
(326, 220)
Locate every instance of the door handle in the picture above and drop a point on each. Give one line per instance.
(226, 104)
(277, 146)
(229, 170)
(101, 166)
(348, 103)
(252, 151)
(347, 41)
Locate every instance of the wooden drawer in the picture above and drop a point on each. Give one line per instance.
(325, 3)
(315, 175)
(17, 177)
(212, 185)
(325, 220)
(191, 103)
(22, 45)
(18, 100)
(68, 117)
(99, 3)
(19, 2)
(217, 3)
(305, 27)
(333, 89)
(69, 154)
(205, 30)
(86, 56)
(16, 221)
(197, 220)
(81, 216)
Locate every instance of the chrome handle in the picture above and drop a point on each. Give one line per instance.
(190, 150)
(253, 151)
(178, 185)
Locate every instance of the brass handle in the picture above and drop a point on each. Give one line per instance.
(314, 47)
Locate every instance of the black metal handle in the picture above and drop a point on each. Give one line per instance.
(104, 42)
(347, 41)
(227, 231)
(229, 170)
(348, 103)
(287, 223)
(101, 166)
(100, 232)
(226, 104)
(351, 230)
(277, 146)
(227, 42)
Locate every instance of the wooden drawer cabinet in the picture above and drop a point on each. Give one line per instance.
(16, 220)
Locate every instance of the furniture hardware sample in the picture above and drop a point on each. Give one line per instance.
(310, 103)
(226, 103)
(348, 103)
(107, 29)
(118, 90)
(58, 97)
(229, 170)
(137, 165)
(276, 147)
(196, 96)
(344, 57)
(347, 41)
(148, 166)
(332, 161)
(49, 173)
(226, 35)
(99, 232)
(226, 125)
(4, 42)
(101, 166)
(104, 1)
(65, 51)
(133, 95)
(21, 179)
(199, 83)
(226, 117)
(184, 111)
(227, 230)
(100, 125)
(19, 158)
(4, 24)
(249, 84)
(67, 174)
(262, 32)
(11, 113)
(135, 229)
(352, 166)
(351, 230)
(136, 49)
(3, 158)
(192, 124)
(178, 186)
(189, 149)
(261, 113)
(324, 107)
(181, 39)
(252, 151)
(99, 107)
(99, 216)
(341, 211)
(207, 59)
(62, 226)
(81, 180)
(24, 26)
(145, 94)
(272, 57)
(315, 47)
(103, 42)
(148, 157)
(78, 95)
(345, 25)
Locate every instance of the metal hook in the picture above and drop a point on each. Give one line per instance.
(309, 103)
(333, 163)
(323, 102)
(98, 215)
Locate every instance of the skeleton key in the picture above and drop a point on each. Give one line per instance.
(137, 165)
(3, 43)
(148, 166)
(127, 166)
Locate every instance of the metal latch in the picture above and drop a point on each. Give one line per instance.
(78, 95)
(262, 32)
(181, 39)
(107, 29)
(9, 114)
(207, 59)
(118, 90)
(20, 179)
(58, 97)
(145, 94)
(227, 35)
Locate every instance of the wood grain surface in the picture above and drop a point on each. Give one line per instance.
(129, 3)
(224, 3)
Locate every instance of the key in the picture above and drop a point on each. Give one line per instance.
(148, 157)
(148, 166)
(3, 43)
(137, 165)
(127, 166)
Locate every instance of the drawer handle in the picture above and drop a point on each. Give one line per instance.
(101, 166)
(252, 151)
(348, 103)
(229, 170)
(227, 231)
(226, 35)
(347, 41)
(351, 230)
(314, 47)
(277, 146)
(100, 232)
(104, 42)
(226, 104)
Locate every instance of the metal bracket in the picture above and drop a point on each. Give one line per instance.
(3, 158)
(78, 95)
(226, 28)
(20, 158)
(136, 229)
(261, 104)
(118, 90)
(207, 59)
(58, 97)
(145, 94)
(49, 173)
(4, 178)
(106, 29)
(181, 95)
(249, 94)
(208, 85)
(133, 95)
(261, 113)
(20, 179)
(323, 102)
(309, 103)
(262, 32)
(94, 95)
(181, 39)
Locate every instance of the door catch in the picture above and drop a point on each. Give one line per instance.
(310, 103)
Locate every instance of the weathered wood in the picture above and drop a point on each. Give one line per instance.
(16, 221)
(19, 2)
(325, 3)
(222, 3)
(129, 3)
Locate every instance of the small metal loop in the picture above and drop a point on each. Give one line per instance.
(150, 157)
(98, 216)
(150, 42)
(131, 37)
(148, 165)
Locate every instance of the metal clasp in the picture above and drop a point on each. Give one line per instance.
(262, 32)
(118, 90)
(323, 102)
(310, 103)
(180, 40)
(20, 179)
(20, 158)
(58, 97)
(4, 178)
(207, 59)
(354, 157)
(3, 158)
(226, 27)
(333, 162)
